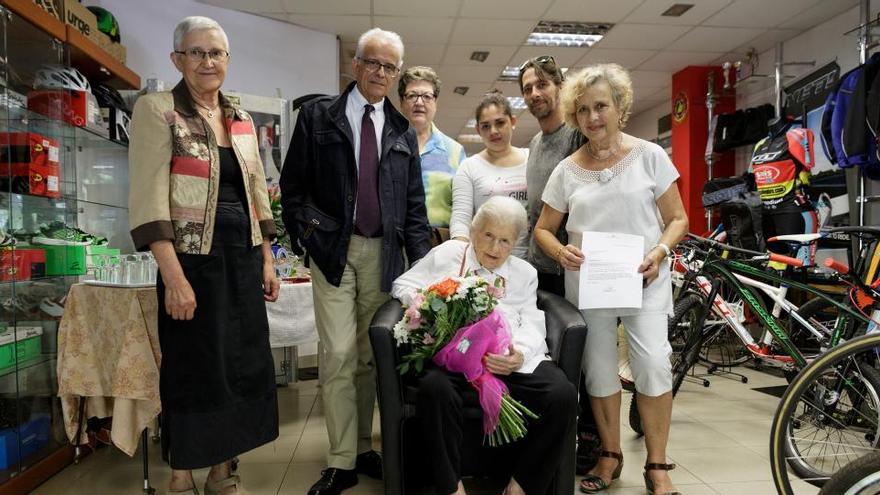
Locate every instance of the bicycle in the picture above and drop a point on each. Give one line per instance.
(708, 272)
(859, 477)
(828, 417)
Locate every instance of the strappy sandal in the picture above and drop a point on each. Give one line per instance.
(597, 481)
(217, 487)
(189, 491)
(656, 466)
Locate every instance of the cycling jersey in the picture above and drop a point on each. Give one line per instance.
(781, 165)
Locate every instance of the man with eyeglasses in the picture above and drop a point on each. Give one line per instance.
(540, 80)
(419, 88)
(352, 197)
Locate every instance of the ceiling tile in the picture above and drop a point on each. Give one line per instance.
(591, 10)
(509, 88)
(627, 58)
(469, 73)
(504, 9)
(758, 13)
(491, 31)
(675, 61)
(336, 7)
(641, 36)
(650, 78)
(642, 105)
(419, 54)
(435, 31)
(452, 113)
(416, 8)
(468, 102)
(250, 6)
(347, 27)
(715, 39)
(499, 55)
(768, 39)
(565, 56)
(650, 12)
(819, 13)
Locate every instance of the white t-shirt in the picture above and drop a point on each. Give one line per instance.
(478, 180)
(626, 203)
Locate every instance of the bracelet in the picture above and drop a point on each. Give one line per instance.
(558, 253)
(664, 247)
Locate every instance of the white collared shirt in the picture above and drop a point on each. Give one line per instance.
(354, 112)
(519, 305)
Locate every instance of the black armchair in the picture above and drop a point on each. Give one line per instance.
(403, 466)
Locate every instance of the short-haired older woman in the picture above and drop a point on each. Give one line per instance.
(618, 183)
(419, 90)
(198, 201)
(529, 374)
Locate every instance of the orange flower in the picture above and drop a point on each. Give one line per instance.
(444, 288)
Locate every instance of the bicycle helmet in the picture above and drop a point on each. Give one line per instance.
(122, 123)
(106, 22)
(108, 97)
(60, 77)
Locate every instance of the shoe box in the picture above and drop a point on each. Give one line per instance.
(20, 442)
(30, 161)
(64, 259)
(77, 108)
(22, 263)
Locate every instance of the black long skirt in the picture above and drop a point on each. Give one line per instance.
(217, 379)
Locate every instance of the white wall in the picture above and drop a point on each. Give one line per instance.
(269, 57)
(644, 125)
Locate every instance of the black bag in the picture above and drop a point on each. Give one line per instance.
(724, 189)
(741, 217)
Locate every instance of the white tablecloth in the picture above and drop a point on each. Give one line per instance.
(292, 316)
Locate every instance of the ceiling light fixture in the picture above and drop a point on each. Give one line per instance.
(461, 90)
(516, 102)
(509, 73)
(567, 34)
(677, 9)
(469, 138)
(479, 56)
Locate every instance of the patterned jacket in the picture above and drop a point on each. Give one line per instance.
(174, 168)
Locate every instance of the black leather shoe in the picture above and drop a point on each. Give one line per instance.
(369, 463)
(333, 481)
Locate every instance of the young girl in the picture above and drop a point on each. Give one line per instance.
(498, 170)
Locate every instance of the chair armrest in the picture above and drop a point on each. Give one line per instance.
(566, 333)
(385, 355)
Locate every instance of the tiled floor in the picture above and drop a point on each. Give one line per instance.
(719, 440)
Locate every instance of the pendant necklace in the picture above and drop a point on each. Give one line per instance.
(611, 151)
(208, 111)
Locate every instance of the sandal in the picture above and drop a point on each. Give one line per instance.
(189, 491)
(598, 483)
(217, 487)
(649, 483)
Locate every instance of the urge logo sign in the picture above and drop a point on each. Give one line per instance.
(81, 25)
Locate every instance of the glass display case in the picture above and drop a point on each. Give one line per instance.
(57, 179)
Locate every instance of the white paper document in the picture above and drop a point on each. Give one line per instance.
(610, 275)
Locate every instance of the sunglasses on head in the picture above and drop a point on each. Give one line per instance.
(542, 61)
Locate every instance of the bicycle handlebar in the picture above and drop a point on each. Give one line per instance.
(836, 266)
(788, 260)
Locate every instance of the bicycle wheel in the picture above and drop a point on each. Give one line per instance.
(859, 477)
(681, 326)
(721, 346)
(828, 417)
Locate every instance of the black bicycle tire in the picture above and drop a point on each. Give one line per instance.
(779, 465)
(863, 471)
(682, 307)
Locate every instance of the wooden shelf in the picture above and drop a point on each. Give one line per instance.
(37, 16)
(96, 64)
(89, 58)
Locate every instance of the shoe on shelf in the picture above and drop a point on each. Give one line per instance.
(656, 466)
(595, 484)
(369, 463)
(333, 481)
(218, 487)
(57, 233)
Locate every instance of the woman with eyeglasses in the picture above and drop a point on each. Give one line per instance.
(419, 89)
(498, 170)
(198, 201)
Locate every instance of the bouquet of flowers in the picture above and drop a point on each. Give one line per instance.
(454, 323)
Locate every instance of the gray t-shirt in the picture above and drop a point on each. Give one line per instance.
(545, 152)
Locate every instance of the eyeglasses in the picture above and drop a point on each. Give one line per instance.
(542, 61)
(413, 97)
(198, 55)
(375, 65)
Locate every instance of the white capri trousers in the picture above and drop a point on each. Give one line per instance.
(649, 352)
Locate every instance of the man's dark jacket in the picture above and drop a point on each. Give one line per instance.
(319, 183)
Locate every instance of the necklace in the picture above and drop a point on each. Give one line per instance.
(208, 110)
(614, 150)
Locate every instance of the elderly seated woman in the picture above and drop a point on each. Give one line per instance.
(528, 373)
